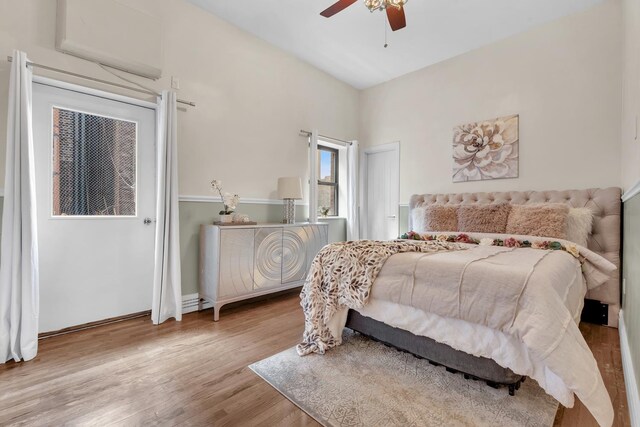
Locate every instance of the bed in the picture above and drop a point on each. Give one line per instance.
(508, 328)
(604, 239)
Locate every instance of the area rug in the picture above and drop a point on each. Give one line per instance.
(365, 383)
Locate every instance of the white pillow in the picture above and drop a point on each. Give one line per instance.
(418, 220)
(579, 225)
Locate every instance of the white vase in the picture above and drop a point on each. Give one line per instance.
(226, 218)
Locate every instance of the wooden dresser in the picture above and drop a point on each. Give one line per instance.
(244, 261)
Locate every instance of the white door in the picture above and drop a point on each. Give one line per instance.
(381, 181)
(95, 169)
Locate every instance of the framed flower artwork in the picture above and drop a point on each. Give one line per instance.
(486, 150)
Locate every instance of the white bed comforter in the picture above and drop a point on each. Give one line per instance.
(517, 306)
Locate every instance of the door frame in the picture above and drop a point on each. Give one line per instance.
(391, 146)
(94, 92)
(152, 108)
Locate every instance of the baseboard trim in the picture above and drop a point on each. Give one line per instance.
(191, 303)
(95, 324)
(631, 385)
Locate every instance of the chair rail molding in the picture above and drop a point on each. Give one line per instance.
(249, 200)
(629, 193)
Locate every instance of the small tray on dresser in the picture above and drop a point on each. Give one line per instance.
(235, 223)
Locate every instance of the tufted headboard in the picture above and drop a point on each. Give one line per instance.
(605, 239)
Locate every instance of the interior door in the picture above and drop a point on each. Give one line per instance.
(95, 186)
(381, 180)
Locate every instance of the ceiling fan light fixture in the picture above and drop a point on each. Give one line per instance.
(393, 8)
(374, 5)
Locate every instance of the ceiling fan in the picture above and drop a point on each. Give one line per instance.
(394, 8)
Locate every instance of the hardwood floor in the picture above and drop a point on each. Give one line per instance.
(195, 373)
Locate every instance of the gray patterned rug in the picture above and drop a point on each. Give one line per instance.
(364, 383)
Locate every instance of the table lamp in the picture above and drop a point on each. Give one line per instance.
(289, 189)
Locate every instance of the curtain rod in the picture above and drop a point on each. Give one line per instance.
(81, 76)
(326, 138)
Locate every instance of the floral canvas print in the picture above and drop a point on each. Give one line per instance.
(486, 150)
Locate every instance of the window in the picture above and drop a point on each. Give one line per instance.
(327, 181)
(94, 165)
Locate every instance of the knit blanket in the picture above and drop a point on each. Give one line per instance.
(341, 275)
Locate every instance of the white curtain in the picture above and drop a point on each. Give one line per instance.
(353, 222)
(167, 289)
(19, 293)
(313, 177)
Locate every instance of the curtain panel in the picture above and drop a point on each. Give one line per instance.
(313, 177)
(167, 288)
(19, 291)
(353, 214)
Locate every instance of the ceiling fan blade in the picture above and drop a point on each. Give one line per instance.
(338, 6)
(396, 17)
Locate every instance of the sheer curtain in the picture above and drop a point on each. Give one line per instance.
(19, 292)
(353, 220)
(167, 288)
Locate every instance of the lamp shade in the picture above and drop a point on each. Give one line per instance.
(290, 188)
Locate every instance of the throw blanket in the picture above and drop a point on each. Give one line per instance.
(341, 276)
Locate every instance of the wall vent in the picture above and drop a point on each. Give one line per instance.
(112, 34)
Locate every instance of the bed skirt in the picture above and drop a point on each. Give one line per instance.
(476, 367)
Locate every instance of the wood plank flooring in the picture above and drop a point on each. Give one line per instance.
(194, 373)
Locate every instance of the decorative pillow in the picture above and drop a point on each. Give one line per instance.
(483, 218)
(441, 218)
(540, 219)
(579, 225)
(418, 219)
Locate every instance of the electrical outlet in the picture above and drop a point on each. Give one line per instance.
(175, 82)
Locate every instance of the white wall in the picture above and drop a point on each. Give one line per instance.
(252, 98)
(631, 93)
(564, 79)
